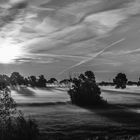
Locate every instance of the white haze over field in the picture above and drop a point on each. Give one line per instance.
(53, 112)
(31, 96)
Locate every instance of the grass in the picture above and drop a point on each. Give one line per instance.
(73, 122)
(66, 121)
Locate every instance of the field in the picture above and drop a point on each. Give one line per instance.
(57, 118)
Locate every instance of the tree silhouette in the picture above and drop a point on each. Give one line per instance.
(103, 83)
(52, 80)
(32, 81)
(85, 91)
(120, 80)
(138, 83)
(16, 79)
(13, 125)
(7, 104)
(41, 81)
(65, 81)
(26, 81)
(4, 81)
(131, 83)
(90, 75)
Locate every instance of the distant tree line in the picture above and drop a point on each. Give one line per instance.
(17, 79)
(85, 91)
(120, 81)
(104, 83)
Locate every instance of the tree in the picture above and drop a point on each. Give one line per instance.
(13, 125)
(42, 81)
(90, 75)
(65, 81)
(26, 81)
(52, 80)
(7, 104)
(32, 81)
(120, 80)
(138, 83)
(131, 83)
(103, 83)
(16, 79)
(4, 81)
(85, 91)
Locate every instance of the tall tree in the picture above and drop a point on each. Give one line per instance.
(84, 90)
(42, 81)
(90, 75)
(32, 81)
(16, 78)
(120, 80)
(138, 83)
(4, 81)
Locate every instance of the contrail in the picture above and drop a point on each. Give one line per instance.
(41, 8)
(59, 55)
(93, 57)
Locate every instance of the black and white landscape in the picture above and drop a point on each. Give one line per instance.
(70, 69)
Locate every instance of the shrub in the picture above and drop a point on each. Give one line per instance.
(85, 91)
(13, 125)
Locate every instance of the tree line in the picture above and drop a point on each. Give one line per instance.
(85, 91)
(17, 79)
(120, 81)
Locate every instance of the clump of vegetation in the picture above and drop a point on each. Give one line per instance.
(103, 83)
(85, 91)
(120, 81)
(13, 125)
(138, 83)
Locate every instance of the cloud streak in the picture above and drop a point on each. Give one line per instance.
(93, 57)
(70, 31)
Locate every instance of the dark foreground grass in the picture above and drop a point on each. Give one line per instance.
(19, 128)
(110, 134)
(93, 133)
(86, 129)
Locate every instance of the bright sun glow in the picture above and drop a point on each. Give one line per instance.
(9, 52)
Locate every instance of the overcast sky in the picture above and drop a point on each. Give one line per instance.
(58, 37)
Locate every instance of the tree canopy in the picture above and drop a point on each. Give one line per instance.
(120, 80)
(84, 90)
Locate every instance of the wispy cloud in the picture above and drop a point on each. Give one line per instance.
(94, 56)
(75, 31)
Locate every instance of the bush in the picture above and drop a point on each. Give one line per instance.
(85, 91)
(13, 125)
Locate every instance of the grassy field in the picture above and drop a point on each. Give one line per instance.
(58, 119)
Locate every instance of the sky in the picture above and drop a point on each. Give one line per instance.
(61, 37)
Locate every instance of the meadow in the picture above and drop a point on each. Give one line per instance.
(59, 119)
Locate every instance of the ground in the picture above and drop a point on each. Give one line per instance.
(58, 118)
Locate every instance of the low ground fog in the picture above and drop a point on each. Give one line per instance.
(54, 113)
